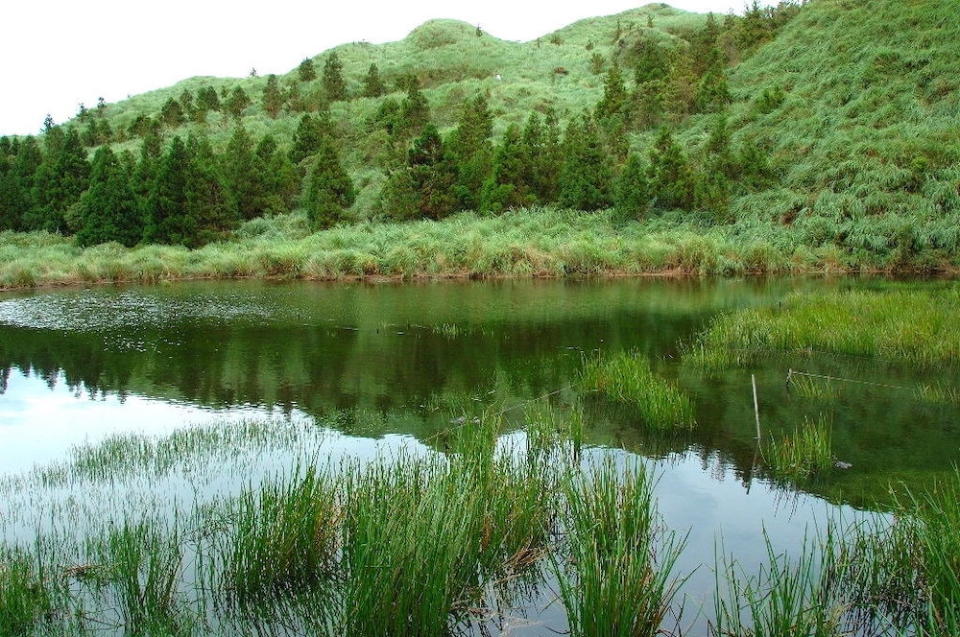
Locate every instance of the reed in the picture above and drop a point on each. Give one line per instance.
(628, 378)
(618, 578)
(26, 598)
(802, 454)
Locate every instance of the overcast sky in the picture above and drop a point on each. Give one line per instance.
(56, 54)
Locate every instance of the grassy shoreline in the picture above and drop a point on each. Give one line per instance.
(536, 243)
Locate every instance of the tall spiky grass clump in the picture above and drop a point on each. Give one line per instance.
(25, 597)
(628, 377)
(800, 455)
(618, 578)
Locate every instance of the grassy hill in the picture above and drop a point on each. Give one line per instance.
(856, 105)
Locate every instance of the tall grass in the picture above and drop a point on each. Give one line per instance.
(26, 598)
(619, 578)
(896, 323)
(805, 452)
(627, 377)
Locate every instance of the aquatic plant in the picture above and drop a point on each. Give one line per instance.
(628, 377)
(26, 598)
(801, 454)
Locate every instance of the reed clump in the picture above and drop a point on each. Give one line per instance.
(26, 598)
(802, 454)
(628, 378)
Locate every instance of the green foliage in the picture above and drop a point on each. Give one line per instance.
(329, 188)
(614, 101)
(237, 102)
(59, 181)
(506, 188)
(168, 218)
(242, 177)
(272, 97)
(802, 454)
(671, 177)
(631, 193)
(306, 71)
(373, 86)
(108, 208)
(333, 83)
(585, 178)
(471, 152)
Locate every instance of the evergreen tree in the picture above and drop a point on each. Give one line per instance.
(585, 175)
(372, 84)
(532, 149)
(671, 178)
(681, 89)
(187, 103)
(278, 175)
(506, 187)
(333, 84)
(238, 102)
(60, 180)
(652, 62)
(631, 193)
(712, 91)
(208, 98)
(101, 107)
(241, 177)
(415, 110)
(144, 173)
(307, 72)
(309, 136)
(172, 113)
(272, 97)
(427, 181)
(614, 101)
(469, 146)
(108, 209)
(17, 192)
(705, 47)
(207, 200)
(329, 191)
(169, 218)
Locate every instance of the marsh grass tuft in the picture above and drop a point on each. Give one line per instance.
(628, 378)
(800, 455)
(26, 598)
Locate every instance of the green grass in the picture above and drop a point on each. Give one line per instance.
(26, 598)
(895, 323)
(802, 454)
(619, 579)
(628, 378)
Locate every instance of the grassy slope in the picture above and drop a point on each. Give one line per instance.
(867, 146)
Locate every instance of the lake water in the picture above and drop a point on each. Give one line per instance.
(368, 368)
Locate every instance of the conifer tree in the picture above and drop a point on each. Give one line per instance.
(169, 218)
(144, 173)
(585, 175)
(60, 180)
(101, 107)
(469, 146)
(272, 97)
(506, 187)
(329, 190)
(307, 72)
(631, 193)
(652, 62)
(17, 199)
(108, 209)
(671, 178)
(532, 149)
(614, 101)
(278, 176)
(372, 84)
(172, 113)
(333, 84)
(187, 103)
(427, 181)
(712, 91)
(208, 98)
(241, 177)
(415, 110)
(237, 102)
(207, 200)
(309, 136)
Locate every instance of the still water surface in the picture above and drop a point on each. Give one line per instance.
(378, 366)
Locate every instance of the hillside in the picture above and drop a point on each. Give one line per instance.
(840, 144)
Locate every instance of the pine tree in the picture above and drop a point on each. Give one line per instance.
(671, 178)
(333, 84)
(712, 91)
(207, 200)
(329, 191)
(278, 175)
(307, 72)
(238, 102)
(169, 218)
(585, 176)
(272, 97)
(108, 209)
(208, 98)
(241, 177)
(172, 113)
(652, 62)
(59, 181)
(631, 193)
(427, 181)
(469, 146)
(506, 187)
(372, 84)
(414, 111)
(144, 174)
(309, 136)
(614, 101)
(532, 149)
(101, 107)
(17, 201)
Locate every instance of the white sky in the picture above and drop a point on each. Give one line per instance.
(56, 54)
